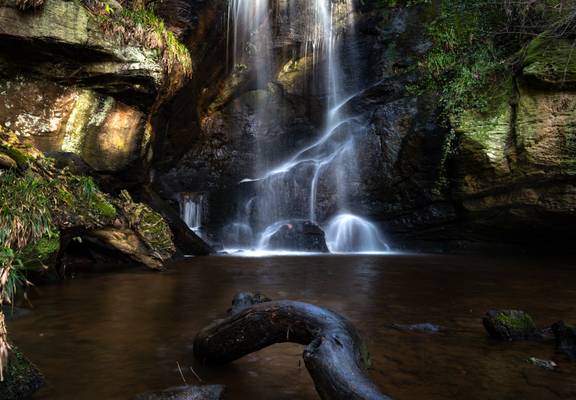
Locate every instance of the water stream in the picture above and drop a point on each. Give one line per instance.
(290, 189)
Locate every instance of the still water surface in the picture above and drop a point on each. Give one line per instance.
(117, 335)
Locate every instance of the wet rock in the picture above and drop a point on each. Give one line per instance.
(545, 364)
(422, 328)
(245, 300)
(207, 392)
(509, 325)
(21, 379)
(565, 336)
(299, 236)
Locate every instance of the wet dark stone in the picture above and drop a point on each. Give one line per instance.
(421, 328)
(299, 236)
(510, 325)
(565, 336)
(207, 392)
(245, 300)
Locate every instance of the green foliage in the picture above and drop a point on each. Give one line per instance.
(33, 210)
(25, 215)
(477, 45)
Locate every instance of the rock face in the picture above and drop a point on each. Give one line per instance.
(108, 135)
(509, 325)
(517, 161)
(299, 236)
(63, 41)
(501, 178)
(70, 83)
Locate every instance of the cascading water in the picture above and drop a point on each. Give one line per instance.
(192, 210)
(349, 233)
(292, 190)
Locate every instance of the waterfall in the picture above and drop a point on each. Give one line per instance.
(192, 210)
(349, 233)
(323, 169)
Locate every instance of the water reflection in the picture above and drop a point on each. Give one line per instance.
(114, 336)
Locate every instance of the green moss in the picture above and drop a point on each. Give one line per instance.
(477, 45)
(105, 209)
(40, 254)
(20, 157)
(517, 322)
(149, 225)
(551, 61)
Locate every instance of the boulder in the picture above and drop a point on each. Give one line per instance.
(565, 336)
(299, 236)
(207, 392)
(509, 325)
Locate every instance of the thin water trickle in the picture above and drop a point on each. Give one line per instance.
(191, 210)
(324, 169)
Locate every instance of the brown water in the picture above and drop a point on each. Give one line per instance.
(114, 336)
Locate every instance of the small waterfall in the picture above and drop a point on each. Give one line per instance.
(348, 233)
(322, 170)
(192, 210)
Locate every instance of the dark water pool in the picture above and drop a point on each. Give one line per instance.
(114, 336)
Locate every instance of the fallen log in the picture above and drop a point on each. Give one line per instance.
(335, 355)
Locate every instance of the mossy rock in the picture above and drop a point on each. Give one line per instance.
(509, 325)
(551, 62)
(149, 225)
(21, 379)
(41, 253)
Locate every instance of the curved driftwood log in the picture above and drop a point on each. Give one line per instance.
(334, 356)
